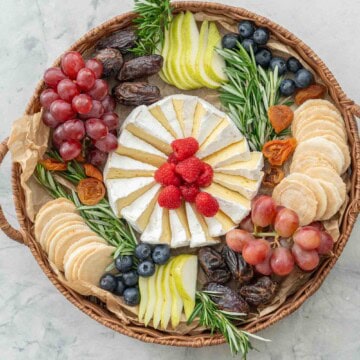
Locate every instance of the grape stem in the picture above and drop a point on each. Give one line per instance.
(264, 234)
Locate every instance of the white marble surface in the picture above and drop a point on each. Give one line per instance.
(36, 322)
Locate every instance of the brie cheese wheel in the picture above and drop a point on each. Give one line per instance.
(185, 107)
(180, 231)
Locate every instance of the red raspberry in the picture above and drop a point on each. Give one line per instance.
(190, 169)
(189, 192)
(165, 175)
(170, 197)
(206, 176)
(185, 148)
(206, 204)
(172, 159)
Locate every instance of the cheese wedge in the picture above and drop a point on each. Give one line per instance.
(231, 203)
(246, 187)
(179, 228)
(238, 151)
(185, 107)
(225, 134)
(250, 169)
(138, 212)
(219, 224)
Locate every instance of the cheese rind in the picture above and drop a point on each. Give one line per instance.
(219, 224)
(179, 234)
(153, 230)
(185, 107)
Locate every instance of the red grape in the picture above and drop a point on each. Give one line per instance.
(109, 103)
(97, 111)
(256, 251)
(70, 149)
(61, 110)
(97, 157)
(47, 97)
(71, 63)
(107, 143)
(111, 120)
(114, 132)
(282, 261)
(82, 104)
(74, 129)
(286, 222)
(318, 225)
(96, 128)
(49, 120)
(100, 90)
(53, 76)
(246, 224)
(85, 79)
(263, 211)
(59, 136)
(67, 89)
(305, 260)
(307, 237)
(237, 238)
(326, 243)
(264, 268)
(96, 66)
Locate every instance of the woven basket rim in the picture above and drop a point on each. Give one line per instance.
(348, 109)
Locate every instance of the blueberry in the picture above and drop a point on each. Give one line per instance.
(146, 268)
(261, 36)
(132, 296)
(120, 287)
(124, 263)
(143, 251)
(280, 63)
(229, 41)
(130, 278)
(287, 87)
(263, 57)
(293, 64)
(247, 43)
(161, 254)
(246, 28)
(303, 78)
(108, 282)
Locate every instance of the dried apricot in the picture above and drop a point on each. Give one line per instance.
(280, 117)
(90, 191)
(80, 158)
(53, 165)
(314, 91)
(278, 151)
(273, 175)
(93, 172)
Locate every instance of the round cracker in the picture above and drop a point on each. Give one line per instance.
(323, 133)
(315, 103)
(333, 198)
(315, 187)
(298, 197)
(48, 211)
(94, 265)
(319, 146)
(305, 161)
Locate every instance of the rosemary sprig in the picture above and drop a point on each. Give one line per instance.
(100, 218)
(248, 94)
(221, 321)
(154, 18)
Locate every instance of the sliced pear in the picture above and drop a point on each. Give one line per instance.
(166, 296)
(164, 53)
(151, 297)
(159, 297)
(144, 293)
(213, 62)
(185, 274)
(203, 77)
(177, 304)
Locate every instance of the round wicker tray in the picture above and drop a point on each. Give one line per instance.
(93, 307)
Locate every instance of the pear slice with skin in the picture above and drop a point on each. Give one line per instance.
(202, 76)
(151, 298)
(166, 296)
(164, 75)
(159, 297)
(213, 62)
(185, 273)
(177, 304)
(144, 294)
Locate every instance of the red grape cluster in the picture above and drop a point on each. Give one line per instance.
(270, 239)
(77, 105)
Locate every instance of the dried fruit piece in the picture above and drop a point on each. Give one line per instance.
(80, 158)
(261, 292)
(314, 91)
(280, 117)
(111, 59)
(240, 270)
(219, 276)
(136, 93)
(93, 172)
(210, 259)
(273, 175)
(278, 151)
(90, 191)
(53, 165)
(122, 40)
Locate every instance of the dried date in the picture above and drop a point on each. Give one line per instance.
(227, 299)
(136, 93)
(210, 259)
(240, 270)
(111, 59)
(140, 67)
(122, 40)
(261, 292)
(220, 276)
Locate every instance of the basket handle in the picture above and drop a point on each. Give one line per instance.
(4, 224)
